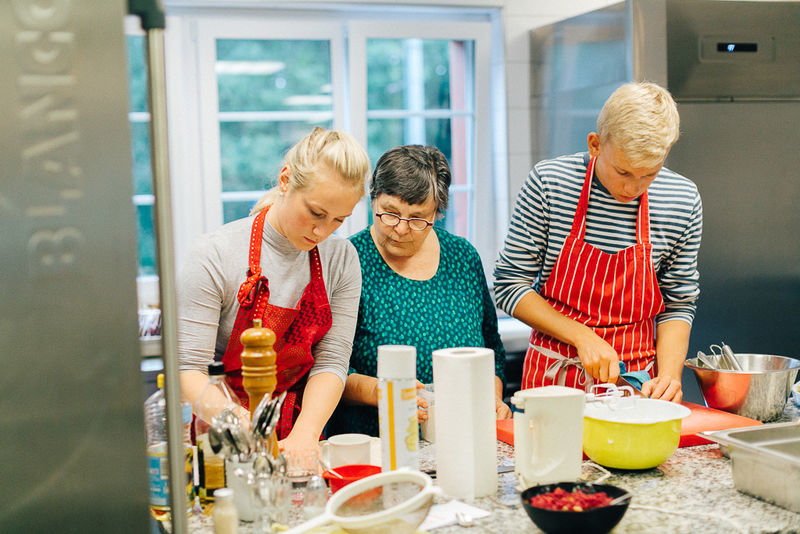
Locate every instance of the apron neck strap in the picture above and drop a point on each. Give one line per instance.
(256, 237)
(578, 230)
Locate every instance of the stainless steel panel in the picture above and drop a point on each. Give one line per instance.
(72, 446)
(765, 461)
(577, 63)
(770, 68)
(743, 159)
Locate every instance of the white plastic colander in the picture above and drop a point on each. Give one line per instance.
(395, 502)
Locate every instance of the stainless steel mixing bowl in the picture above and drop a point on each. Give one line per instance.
(758, 391)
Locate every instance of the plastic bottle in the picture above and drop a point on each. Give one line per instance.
(215, 397)
(225, 516)
(397, 406)
(155, 417)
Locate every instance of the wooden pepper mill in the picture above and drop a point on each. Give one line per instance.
(258, 366)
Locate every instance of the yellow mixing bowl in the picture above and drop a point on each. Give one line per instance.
(635, 434)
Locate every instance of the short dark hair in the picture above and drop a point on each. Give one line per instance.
(413, 173)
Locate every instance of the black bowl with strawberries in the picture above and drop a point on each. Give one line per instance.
(575, 507)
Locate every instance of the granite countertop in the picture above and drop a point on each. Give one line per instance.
(691, 492)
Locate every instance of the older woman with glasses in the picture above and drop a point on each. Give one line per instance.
(422, 286)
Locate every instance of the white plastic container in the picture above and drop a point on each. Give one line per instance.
(397, 406)
(226, 518)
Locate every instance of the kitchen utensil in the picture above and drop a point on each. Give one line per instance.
(395, 502)
(328, 468)
(623, 383)
(725, 358)
(592, 521)
(548, 449)
(215, 439)
(275, 416)
(637, 437)
(730, 358)
(701, 419)
(704, 360)
(758, 391)
(464, 520)
(347, 474)
(765, 461)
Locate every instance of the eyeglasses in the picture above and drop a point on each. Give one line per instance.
(415, 223)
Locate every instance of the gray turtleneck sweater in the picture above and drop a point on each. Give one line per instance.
(217, 265)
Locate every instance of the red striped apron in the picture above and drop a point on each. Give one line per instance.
(296, 329)
(616, 295)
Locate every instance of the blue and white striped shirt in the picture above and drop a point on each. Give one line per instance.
(542, 219)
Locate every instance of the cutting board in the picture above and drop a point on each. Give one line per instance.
(701, 419)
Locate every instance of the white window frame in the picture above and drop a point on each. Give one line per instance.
(480, 164)
(206, 31)
(192, 100)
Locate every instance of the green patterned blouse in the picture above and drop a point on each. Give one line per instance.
(452, 309)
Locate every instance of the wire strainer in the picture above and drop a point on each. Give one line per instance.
(395, 502)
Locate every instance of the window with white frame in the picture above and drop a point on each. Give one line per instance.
(244, 87)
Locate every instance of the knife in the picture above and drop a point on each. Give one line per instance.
(624, 382)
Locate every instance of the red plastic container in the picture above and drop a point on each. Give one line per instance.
(351, 473)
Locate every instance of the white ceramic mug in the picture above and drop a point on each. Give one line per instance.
(347, 449)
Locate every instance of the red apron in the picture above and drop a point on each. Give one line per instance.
(296, 330)
(616, 295)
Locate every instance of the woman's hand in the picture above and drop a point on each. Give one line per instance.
(297, 441)
(664, 388)
(501, 409)
(244, 416)
(422, 405)
(598, 357)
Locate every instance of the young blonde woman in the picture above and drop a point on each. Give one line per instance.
(282, 265)
(601, 253)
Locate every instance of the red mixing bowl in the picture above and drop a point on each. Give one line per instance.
(350, 473)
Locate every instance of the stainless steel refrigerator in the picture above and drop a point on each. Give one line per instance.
(734, 69)
(72, 449)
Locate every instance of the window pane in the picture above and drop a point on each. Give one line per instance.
(386, 66)
(142, 172)
(437, 73)
(417, 78)
(137, 73)
(437, 133)
(456, 219)
(252, 152)
(140, 153)
(147, 244)
(233, 210)
(383, 134)
(273, 75)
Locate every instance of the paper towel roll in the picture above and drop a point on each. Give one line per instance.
(466, 448)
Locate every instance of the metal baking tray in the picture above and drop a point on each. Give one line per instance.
(765, 461)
